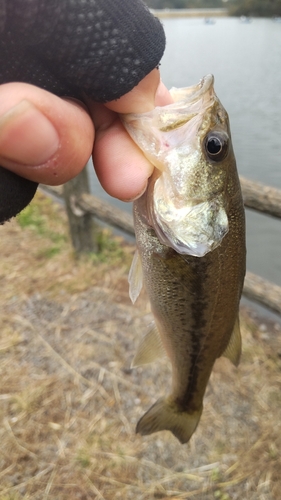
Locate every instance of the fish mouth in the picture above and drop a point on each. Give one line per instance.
(194, 93)
(147, 129)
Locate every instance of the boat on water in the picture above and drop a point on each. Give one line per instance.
(245, 19)
(209, 20)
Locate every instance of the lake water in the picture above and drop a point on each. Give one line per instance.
(245, 59)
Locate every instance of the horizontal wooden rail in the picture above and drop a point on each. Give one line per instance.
(262, 198)
(262, 291)
(256, 196)
(107, 213)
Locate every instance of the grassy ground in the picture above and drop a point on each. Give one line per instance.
(69, 401)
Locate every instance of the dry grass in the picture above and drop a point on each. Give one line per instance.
(69, 402)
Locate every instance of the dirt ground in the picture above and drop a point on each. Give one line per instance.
(69, 401)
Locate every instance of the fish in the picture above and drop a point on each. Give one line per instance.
(191, 250)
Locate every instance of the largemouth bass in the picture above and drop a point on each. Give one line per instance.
(190, 234)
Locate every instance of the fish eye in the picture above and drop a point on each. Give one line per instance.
(216, 145)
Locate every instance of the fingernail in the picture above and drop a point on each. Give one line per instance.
(136, 197)
(27, 136)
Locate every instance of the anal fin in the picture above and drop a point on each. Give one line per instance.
(150, 348)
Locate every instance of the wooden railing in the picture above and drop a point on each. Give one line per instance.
(83, 209)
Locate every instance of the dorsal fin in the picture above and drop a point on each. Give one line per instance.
(233, 350)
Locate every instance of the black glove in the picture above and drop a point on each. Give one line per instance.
(95, 48)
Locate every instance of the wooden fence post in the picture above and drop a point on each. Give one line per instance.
(83, 229)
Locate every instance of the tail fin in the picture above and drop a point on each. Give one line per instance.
(165, 414)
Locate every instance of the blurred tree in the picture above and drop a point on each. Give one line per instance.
(266, 8)
(184, 4)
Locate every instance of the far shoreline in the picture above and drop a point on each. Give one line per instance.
(163, 13)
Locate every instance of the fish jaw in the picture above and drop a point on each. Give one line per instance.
(186, 203)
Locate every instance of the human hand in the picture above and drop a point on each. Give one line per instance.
(49, 140)
(92, 51)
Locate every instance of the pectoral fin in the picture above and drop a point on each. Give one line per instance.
(149, 349)
(135, 278)
(233, 350)
(165, 414)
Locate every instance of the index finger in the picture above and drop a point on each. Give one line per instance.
(120, 165)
